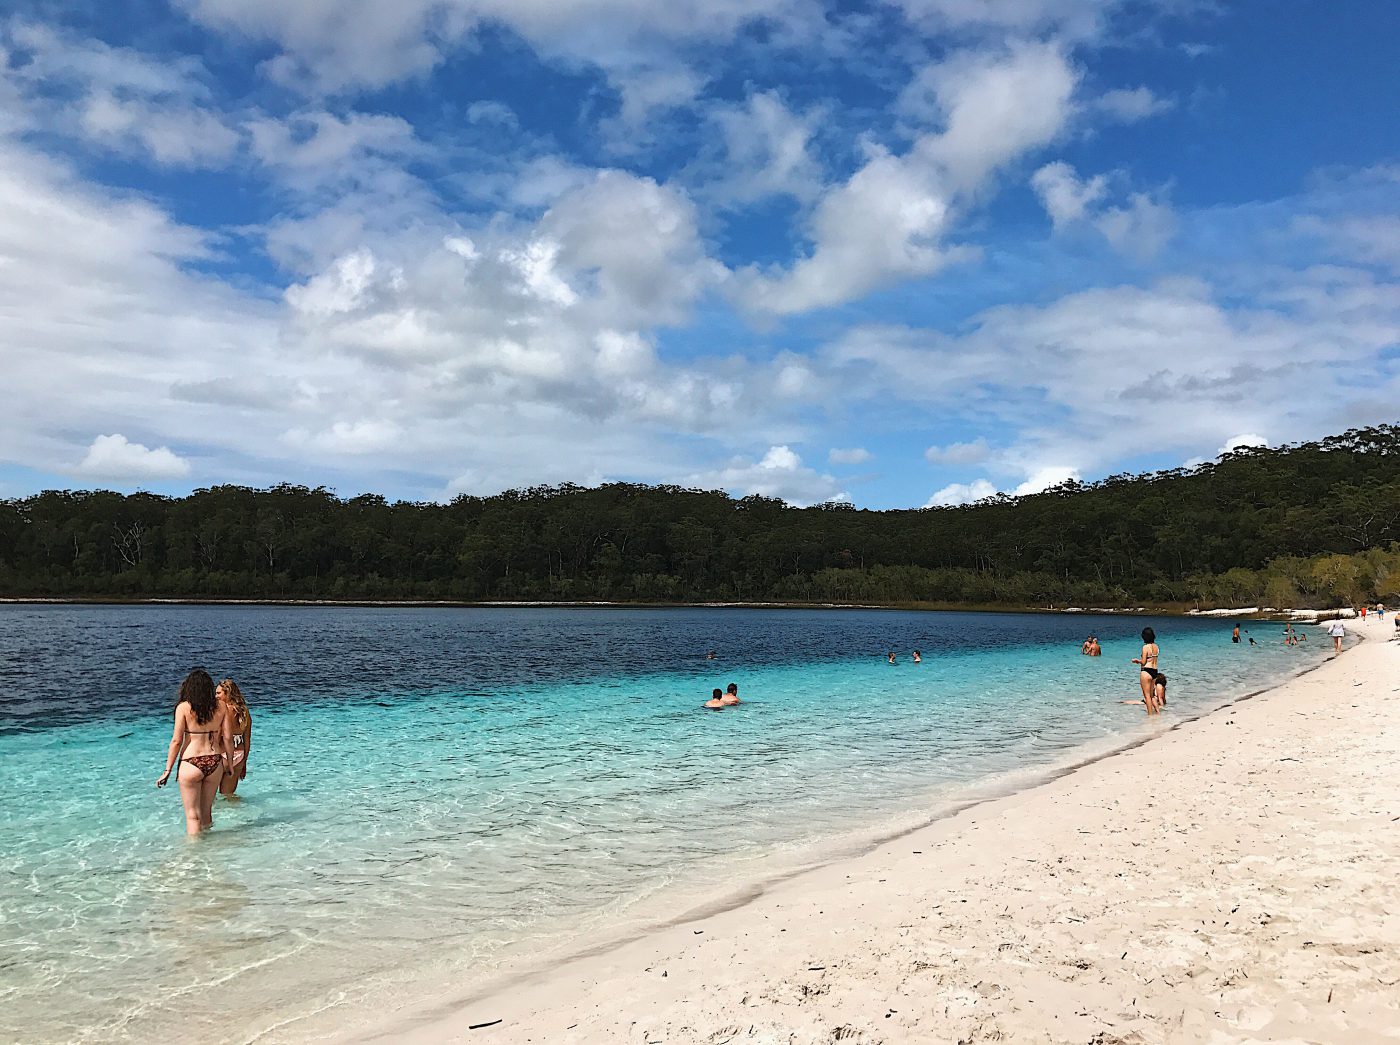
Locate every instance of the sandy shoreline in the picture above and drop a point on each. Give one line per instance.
(1235, 879)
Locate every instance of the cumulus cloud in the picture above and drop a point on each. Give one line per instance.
(974, 452)
(889, 219)
(1129, 105)
(114, 457)
(1236, 442)
(779, 473)
(854, 455)
(1141, 227)
(117, 98)
(764, 149)
(962, 493)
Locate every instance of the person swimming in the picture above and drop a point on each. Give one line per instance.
(1095, 650)
(890, 657)
(731, 695)
(715, 702)
(1235, 635)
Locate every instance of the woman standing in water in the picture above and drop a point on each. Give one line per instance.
(1147, 676)
(201, 747)
(241, 729)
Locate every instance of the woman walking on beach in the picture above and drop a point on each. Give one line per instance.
(241, 730)
(1147, 675)
(200, 746)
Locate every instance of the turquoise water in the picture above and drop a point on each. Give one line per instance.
(434, 792)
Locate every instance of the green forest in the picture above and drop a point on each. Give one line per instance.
(1310, 524)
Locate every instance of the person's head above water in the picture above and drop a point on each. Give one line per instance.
(1148, 635)
(733, 687)
(717, 694)
(198, 691)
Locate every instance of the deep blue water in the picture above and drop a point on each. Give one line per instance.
(432, 790)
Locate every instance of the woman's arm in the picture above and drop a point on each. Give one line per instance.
(226, 740)
(247, 746)
(177, 745)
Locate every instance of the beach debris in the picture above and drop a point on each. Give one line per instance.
(815, 968)
(488, 1023)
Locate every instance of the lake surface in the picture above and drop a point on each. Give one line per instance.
(433, 792)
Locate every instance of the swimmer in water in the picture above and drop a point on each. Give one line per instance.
(918, 657)
(890, 657)
(731, 696)
(715, 702)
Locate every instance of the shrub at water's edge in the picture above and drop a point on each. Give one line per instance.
(1307, 524)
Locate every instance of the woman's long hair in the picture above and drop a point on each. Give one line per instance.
(198, 691)
(234, 696)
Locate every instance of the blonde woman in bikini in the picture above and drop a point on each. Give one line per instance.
(1147, 676)
(201, 746)
(241, 730)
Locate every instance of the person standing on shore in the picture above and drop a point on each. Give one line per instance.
(1337, 630)
(1147, 674)
(241, 733)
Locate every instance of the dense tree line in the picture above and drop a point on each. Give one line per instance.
(1312, 523)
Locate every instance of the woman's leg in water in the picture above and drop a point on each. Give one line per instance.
(229, 784)
(1147, 699)
(191, 795)
(208, 788)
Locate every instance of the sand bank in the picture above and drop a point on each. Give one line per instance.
(1235, 879)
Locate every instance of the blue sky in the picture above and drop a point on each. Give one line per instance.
(901, 253)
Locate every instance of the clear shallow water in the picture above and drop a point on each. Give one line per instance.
(431, 787)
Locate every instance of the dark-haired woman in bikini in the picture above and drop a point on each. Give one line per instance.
(1147, 676)
(201, 747)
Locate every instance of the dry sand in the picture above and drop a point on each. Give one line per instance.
(1235, 879)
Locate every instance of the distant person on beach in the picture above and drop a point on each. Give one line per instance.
(1363, 613)
(918, 657)
(201, 747)
(1147, 674)
(731, 695)
(241, 733)
(1235, 636)
(715, 702)
(1337, 631)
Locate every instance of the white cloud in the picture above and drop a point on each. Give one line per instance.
(1141, 227)
(630, 39)
(117, 98)
(1065, 18)
(1045, 477)
(765, 152)
(114, 457)
(1129, 105)
(779, 473)
(1066, 198)
(974, 452)
(854, 455)
(1235, 442)
(962, 493)
(889, 219)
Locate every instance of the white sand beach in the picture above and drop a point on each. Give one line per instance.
(1234, 879)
